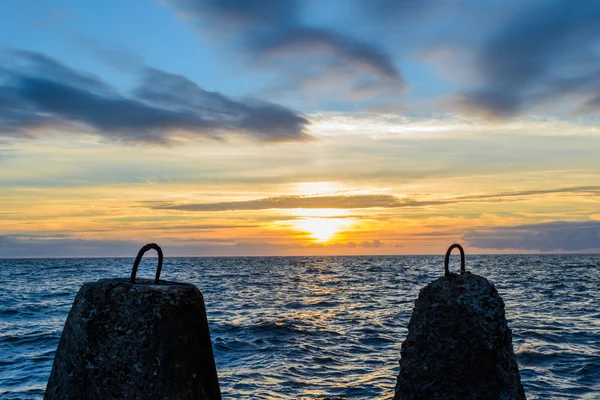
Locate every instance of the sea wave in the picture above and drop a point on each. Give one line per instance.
(318, 327)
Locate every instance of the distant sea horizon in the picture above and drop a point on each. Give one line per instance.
(153, 255)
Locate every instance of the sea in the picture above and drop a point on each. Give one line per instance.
(311, 327)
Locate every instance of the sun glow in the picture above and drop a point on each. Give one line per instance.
(322, 229)
(313, 188)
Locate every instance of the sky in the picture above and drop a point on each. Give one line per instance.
(299, 127)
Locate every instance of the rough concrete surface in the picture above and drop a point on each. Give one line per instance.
(135, 341)
(458, 345)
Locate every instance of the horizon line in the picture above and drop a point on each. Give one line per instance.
(311, 255)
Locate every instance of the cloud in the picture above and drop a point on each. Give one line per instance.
(365, 244)
(343, 48)
(272, 30)
(194, 227)
(287, 202)
(60, 246)
(371, 245)
(37, 91)
(353, 201)
(509, 57)
(547, 51)
(52, 246)
(552, 236)
(594, 190)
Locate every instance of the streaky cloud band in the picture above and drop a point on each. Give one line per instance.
(39, 92)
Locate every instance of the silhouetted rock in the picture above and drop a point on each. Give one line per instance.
(142, 340)
(459, 345)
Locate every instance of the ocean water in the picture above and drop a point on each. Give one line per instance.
(307, 327)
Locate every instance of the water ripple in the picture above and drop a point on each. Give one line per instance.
(307, 327)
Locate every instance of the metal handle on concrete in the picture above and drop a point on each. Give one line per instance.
(447, 272)
(139, 258)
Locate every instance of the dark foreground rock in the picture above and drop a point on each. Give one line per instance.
(138, 340)
(459, 345)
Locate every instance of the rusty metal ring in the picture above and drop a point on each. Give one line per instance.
(447, 272)
(139, 258)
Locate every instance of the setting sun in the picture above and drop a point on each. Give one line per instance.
(322, 229)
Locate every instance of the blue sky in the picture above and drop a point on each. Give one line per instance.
(133, 118)
(115, 40)
(426, 57)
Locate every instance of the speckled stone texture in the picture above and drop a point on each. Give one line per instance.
(135, 341)
(459, 345)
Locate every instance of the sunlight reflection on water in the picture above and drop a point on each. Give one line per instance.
(320, 326)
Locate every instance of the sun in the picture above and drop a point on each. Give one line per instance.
(322, 229)
(322, 223)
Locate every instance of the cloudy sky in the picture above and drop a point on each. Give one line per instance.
(288, 127)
